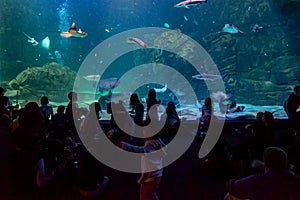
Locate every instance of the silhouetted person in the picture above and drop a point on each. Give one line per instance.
(275, 183)
(2, 91)
(137, 109)
(291, 106)
(206, 114)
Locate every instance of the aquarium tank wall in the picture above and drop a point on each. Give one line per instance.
(254, 45)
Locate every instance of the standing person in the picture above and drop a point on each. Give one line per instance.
(291, 106)
(151, 162)
(4, 102)
(151, 101)
(71, 113)
(172, 120)
(47, 112)
(2, 91)
(206, 114)
(46, 109)
(137, 109)
(59, 123)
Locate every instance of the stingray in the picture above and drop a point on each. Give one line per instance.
(230, 28)
(107, 84)
(73, 32)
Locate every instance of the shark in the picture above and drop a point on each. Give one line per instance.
(189, 3)
(31, 40)
(161, 90)
(73, 32)
(92, 77)
(205, 76)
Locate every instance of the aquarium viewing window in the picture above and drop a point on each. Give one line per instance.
(251, 50)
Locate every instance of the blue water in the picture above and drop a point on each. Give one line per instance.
(41, 18)
(105, 18)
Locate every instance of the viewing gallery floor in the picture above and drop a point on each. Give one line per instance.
(187, 178)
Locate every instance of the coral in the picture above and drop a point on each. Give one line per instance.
(51, 80)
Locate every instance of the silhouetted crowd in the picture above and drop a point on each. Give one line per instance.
(49, 152)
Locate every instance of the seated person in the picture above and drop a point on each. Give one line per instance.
(275, 183)
(233, 108)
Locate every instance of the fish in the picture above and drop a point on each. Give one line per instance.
(73, 32)
(189, 3)
(205, 76)
(59, 58)
(107, 84)
(161, 90)
(230, 28)
(92, 77)
(31, 40)
(166, 25)
(137, 41)
(256, 28)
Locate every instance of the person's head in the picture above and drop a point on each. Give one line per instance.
(31, 117)
(95, 107)
(297, 90)
(44, 100)
(61, 109)
(171, 108)
(4, 120)
(207, 102)
(72, 96)
(267, 117)
(152, 94)
(134, 99)
(233, 104)
(259, 116)
(2, 91)
(275, 159)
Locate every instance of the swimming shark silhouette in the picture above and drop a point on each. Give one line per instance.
(73, 32)
(31, 40)
(189, 3)
(161, 90)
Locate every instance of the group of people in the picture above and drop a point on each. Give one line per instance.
(47, 145)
